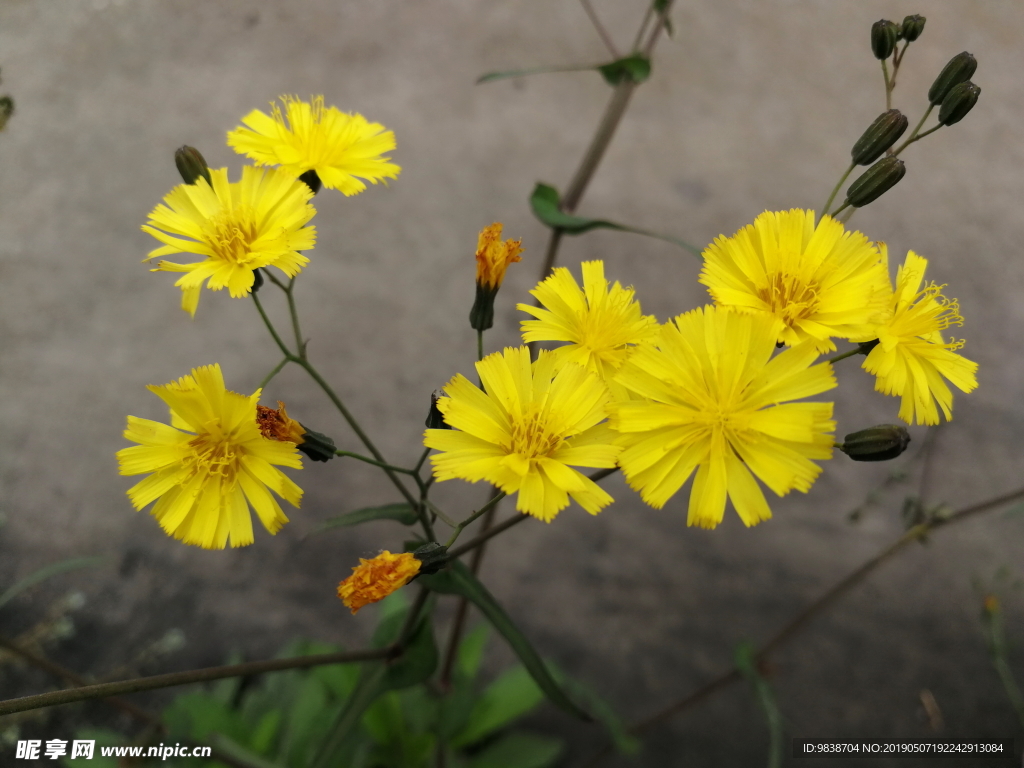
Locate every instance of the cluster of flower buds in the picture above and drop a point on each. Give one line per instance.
(886, 34)
(953, 90)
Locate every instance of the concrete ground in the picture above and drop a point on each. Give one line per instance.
(752, 106)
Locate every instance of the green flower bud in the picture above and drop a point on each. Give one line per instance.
(958, 102)
(960, 68)
(191, 165)
(257, 280)
(435, 419)
(433, 557)
(312, 180)
(317, 446)
(6, 110)
(875, 181)
(912, 27)
(883, 38)
(481, 316)
(881, 443)
(881, 135)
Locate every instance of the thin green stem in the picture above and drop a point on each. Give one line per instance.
(440, 514)
(270, 327)
(888, 84)
(993, 620)
(273, 373)
(840, 209)
(843, 355)
(483, 510)
(835, 189)
(601, 31)
(332, 395)
(479, 345)
(913, 134)
(381, 464)
(300, 345)
(423, 458)
(477, 541)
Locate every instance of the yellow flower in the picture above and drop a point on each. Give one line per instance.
(714, 401)
(819, 281)
(602, 324)
(239, 227)
(375, 579)
(342, 148)
(493, 256)
(911, 357)
(209, 465)
(525, 430)
(492, 259)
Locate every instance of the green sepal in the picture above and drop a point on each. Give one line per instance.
(402, 512)
(457, 580)
(545, 202)
(481, 316)
(636, 68)
(316, 445)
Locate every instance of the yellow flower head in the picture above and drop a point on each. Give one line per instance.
(911, 357)
(819, 281)
(494, 256)
(714, 401)
(277, 425)
(602, 323)
(342, 148)
(525, 430)
(257, 222)
(209, 465)
(375, 579)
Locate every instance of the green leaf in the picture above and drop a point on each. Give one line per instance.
(402, 512)
(545, 203)
(471, 651)
(660, 7)
(230, 748)
(506, 699)
(519, 750)
(194, 716)
(618, 730)
(746, 663)
(636, 68)
(457, 580)
(46, 572)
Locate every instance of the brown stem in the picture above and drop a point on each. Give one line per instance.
(501, 527)
(801, 619)
(605, 37)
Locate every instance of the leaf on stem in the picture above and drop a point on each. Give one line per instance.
(636, 68)
(545, 203)
(402, 512)
(457, 580)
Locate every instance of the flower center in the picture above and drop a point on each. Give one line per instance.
(532, 437)
(789, 296)
(212, 456)
(231, 235)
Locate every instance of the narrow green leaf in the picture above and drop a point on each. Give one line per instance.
(46, 572)
(545, 203)
(636, 68)
(746, 663)
(661, 6)
(506, 699)
(230, 748)
(519, 750)
(402, 512)
(492, 76)
(457, 580)
(471, 651)
(603, 712)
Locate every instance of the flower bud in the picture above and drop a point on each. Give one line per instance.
(881, 443)
(884, 34)
(191, 165)
(312, 180)
(960, 68)
(912, 27)
(257, 280)
(6, 110)
(435, 419)
(958, 102)
(433, 557)
(875, 181)
(276, 424)
(493, 257)
(317, 446)
(881, 135)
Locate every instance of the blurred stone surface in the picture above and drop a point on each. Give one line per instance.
(752, 106)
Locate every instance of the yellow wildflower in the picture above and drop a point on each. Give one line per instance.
(602, 323)
(819, 281)
(209, 465)
(911, 357)
(239, 227)
(342, 148)
(714, 401)
(525, 431)
(375, 579)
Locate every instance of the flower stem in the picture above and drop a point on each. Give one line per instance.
(479, 345)
(368, 460)
(914, 133)
(835, 189)
(270, 327)
(483, 510)
(843, 355)
(273, 373)
(888, 83)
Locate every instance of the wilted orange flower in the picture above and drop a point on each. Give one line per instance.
(375, 579)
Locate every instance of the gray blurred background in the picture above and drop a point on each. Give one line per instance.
(752, 106)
